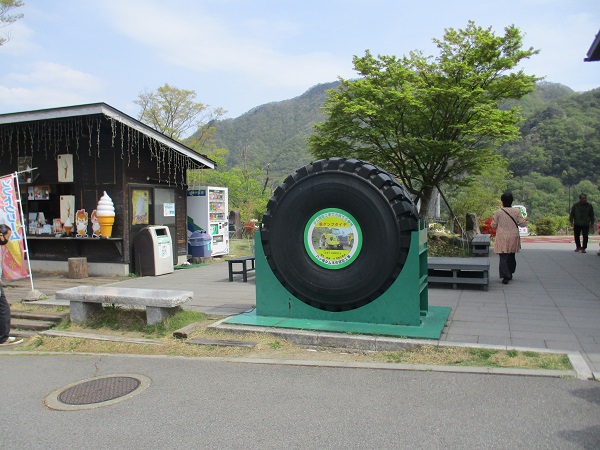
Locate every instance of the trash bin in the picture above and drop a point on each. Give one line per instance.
(153, 252)
(199, 244)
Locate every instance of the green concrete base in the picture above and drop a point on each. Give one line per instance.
(401, 311)
(431, 327)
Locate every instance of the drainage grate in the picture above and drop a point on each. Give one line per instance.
(97, 391)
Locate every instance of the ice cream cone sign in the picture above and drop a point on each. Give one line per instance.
(105, 212)
(68, 226)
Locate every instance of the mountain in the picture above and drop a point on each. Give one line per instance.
(274, 133)
(560, 133)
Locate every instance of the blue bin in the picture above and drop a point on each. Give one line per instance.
(199, 244)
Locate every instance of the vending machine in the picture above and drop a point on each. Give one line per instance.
(207, 210)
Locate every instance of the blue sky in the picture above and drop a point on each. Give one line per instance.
(238, 54)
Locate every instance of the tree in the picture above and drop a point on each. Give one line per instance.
(246, 184)
(5, 18)
(173, 112)
(482, 195)
(545, 195)
(429, 121)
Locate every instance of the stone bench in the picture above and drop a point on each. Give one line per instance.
(159, 303)
(480, 245)
(243, 260)
(457, 271)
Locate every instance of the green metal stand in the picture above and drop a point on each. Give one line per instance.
(402, 311)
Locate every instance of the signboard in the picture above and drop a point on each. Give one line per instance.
(332, 238)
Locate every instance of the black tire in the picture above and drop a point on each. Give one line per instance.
(380, 205)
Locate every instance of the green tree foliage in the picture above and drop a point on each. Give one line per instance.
(588, 187)
(529, 158)
(482, 195)
(174, 112)
(247, 184)
(542, 195)
(549, 225)
(430, 121)
(561, 138)
(5, 18)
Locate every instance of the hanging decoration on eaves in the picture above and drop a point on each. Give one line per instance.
(72, 135)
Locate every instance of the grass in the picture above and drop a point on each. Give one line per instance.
(478, 357)
(28, 307)
(121, 322)
(116, 318)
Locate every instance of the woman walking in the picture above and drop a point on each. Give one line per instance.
(507, 221)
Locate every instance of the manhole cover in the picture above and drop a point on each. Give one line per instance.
(99, 391)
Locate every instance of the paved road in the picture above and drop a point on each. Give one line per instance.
(194, 403)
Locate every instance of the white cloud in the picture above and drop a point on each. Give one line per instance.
(57, 75)
(19, 39)
(47, 85)
(199, 42)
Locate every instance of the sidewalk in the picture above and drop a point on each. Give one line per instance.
(553, 302)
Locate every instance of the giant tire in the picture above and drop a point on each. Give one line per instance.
(379, 204)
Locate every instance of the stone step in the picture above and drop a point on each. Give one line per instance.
(99, 337)
(26, 324)
(23, 333)
(39, 315)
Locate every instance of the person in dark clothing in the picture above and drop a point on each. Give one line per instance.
(581, 217)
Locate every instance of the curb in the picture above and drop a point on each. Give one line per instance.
(581, 370)
(332, 364)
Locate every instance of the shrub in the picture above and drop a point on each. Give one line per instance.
(548, 225)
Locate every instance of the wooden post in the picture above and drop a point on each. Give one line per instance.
(78, 268)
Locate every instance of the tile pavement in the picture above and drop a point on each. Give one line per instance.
(553, 302)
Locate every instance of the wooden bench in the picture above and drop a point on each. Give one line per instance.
(457, 271)
(159, 303)
(243, 260)
(480, 245)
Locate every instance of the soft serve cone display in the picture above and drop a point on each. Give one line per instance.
(106, 215)
(68, 226)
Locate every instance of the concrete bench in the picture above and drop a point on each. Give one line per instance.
(480, 245)
(243, 260)
(457, 271)
(159, 303)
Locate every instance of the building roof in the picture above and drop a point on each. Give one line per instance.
(110, 112)
(594, 51)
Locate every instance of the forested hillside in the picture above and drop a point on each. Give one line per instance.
(559, 151)
(274, 133)
(561, 135)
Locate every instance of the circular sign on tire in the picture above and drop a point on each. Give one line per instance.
(333, 238)
(336, 233)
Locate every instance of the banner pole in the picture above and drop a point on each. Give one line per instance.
(18, 195)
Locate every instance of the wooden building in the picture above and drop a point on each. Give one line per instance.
(76, 154)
